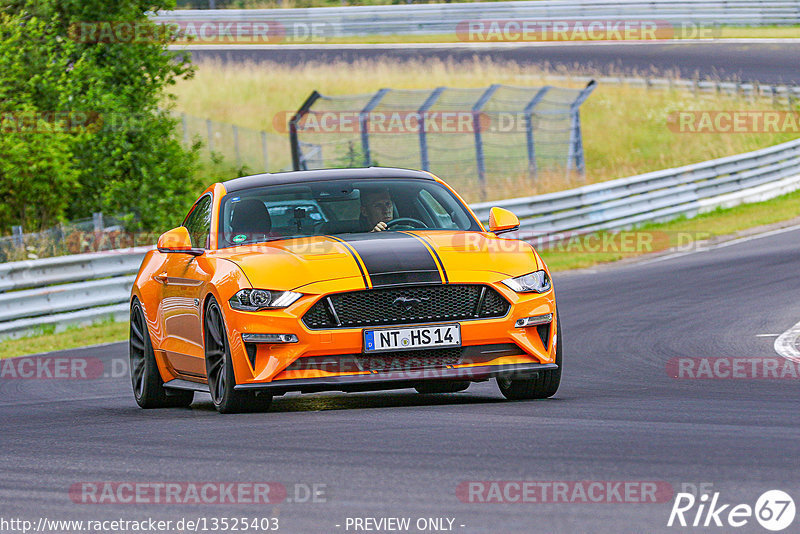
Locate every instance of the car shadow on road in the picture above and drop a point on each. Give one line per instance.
(352, 401)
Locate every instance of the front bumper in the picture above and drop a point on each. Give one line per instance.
(281, 367)
(396, 379)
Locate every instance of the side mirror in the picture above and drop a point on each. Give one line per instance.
(178, 240)
(502, 221)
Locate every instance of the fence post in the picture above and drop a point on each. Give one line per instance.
(297, 156)
(575, 137)
(210, 133)
(423, 140)
(185, 126)
(476, 126)
(97, 221)
(236, 145)
(529, 141)
(19, 239)
(363, 124)
(264, 150)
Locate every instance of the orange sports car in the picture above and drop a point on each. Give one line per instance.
(344, 280)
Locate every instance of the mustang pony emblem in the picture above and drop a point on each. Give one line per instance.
(408, 303)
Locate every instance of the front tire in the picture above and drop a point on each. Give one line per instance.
(148, 388)
(544, 385)
(219, 369)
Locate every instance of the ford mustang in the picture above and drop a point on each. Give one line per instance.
(343, 280)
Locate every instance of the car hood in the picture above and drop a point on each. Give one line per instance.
(381, 259)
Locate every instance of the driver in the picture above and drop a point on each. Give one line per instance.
(377, 209)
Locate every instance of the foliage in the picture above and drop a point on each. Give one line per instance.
(98, 141)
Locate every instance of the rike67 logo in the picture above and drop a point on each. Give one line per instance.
(774, 510)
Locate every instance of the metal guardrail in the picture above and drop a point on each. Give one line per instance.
(431, 19)
(656, 196)
(66, 290)
(778, 95)
(84, 288)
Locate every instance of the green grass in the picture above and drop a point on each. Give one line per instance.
(74, 337)
(653, 237)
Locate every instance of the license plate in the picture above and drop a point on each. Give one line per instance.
(412, 337)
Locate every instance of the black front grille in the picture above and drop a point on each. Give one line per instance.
(407, 305)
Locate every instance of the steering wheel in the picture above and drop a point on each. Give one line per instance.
(406, 221)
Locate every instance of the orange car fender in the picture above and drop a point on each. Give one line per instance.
(226, 281)
(148, 292)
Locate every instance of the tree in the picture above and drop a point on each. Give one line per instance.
(121, 142)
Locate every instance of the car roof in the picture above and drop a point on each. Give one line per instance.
(291, 177)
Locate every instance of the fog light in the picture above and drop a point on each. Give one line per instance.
(533, 321)
(269, 338)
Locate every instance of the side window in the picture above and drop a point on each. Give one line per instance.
(443, 219)
(198, 222)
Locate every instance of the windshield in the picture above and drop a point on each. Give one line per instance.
(339, 207)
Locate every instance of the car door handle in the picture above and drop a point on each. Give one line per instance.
(162, 278)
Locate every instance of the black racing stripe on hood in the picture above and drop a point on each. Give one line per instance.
(393, 258)
(353, 254)
(435, 254)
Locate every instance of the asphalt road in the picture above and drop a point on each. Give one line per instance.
(774, 62)
(619, 416)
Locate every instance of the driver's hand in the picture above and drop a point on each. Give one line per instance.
(380, 227)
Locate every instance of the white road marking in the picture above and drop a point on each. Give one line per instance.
(786, 344)
(767, 335)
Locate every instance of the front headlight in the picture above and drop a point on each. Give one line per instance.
(262, 299)
(536, 282)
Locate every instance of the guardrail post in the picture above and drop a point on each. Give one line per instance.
(363, 123)
(19, 239)
(529, 141)
(575, 137)
(297, 156)
(97, 221)
(264, 150)
(423, 140)
(476, 127)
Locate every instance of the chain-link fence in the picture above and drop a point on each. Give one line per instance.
(472, 138)
(259, 151)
